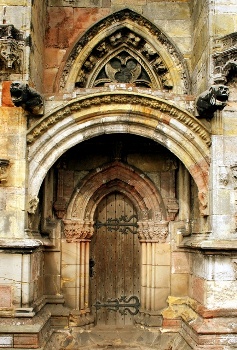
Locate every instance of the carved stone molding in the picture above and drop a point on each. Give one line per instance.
(156, 231)
(11, 49)
(76, 231)
(119, 98)
(225, 59)
(115, 36)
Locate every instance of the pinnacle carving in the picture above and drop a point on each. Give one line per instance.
(11, 50)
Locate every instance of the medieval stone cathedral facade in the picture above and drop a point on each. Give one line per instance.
(118, 171)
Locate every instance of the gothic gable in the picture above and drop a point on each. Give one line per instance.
(125, 48)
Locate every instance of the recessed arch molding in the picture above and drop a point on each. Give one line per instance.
(120, 112)
(153, 217)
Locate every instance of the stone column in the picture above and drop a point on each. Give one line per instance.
(154, 276)
(78, 234)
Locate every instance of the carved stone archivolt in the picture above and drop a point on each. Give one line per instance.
(141, 114)
(76, 231)
(126, 48)
(11, 50)
(225, 59)
(156, 231)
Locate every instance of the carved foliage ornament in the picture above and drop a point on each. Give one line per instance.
(155, 231)
(76, 231)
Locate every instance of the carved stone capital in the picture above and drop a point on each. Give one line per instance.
(4, 166)
(76, 231)
(156, 231)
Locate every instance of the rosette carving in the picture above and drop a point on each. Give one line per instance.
(76, 231)
(156, 231)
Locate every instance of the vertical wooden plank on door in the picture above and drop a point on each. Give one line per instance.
(117, 259)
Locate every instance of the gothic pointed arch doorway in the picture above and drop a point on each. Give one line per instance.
(115, 262)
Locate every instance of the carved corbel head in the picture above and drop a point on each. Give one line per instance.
(29, 99)
(4, 166)
(211, 100)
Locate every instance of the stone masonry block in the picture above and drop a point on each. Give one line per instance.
(6, 96)
(26, 341)
(179, 284)
(6, 296)
(6, 341)
(180, 262)
(197, 286)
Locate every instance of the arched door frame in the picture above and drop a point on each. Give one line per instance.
(128, 112)
(153, 220)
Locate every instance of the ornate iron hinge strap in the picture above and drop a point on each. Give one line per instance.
(122, 305)
(122, 224)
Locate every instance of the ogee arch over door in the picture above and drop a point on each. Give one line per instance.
(115, 253)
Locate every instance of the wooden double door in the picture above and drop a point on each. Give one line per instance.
(115, 262)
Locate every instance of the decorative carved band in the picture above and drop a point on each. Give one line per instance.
(76, 231)
(119, 98)
(156, 231)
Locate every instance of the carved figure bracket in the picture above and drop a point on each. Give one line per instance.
(29, 99)
(4, 166)
(211, 100)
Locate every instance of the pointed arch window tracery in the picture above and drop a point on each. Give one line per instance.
(124, 57)
(125, 48)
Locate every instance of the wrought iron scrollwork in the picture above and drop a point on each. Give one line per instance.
(122, 305)
(122, 224)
